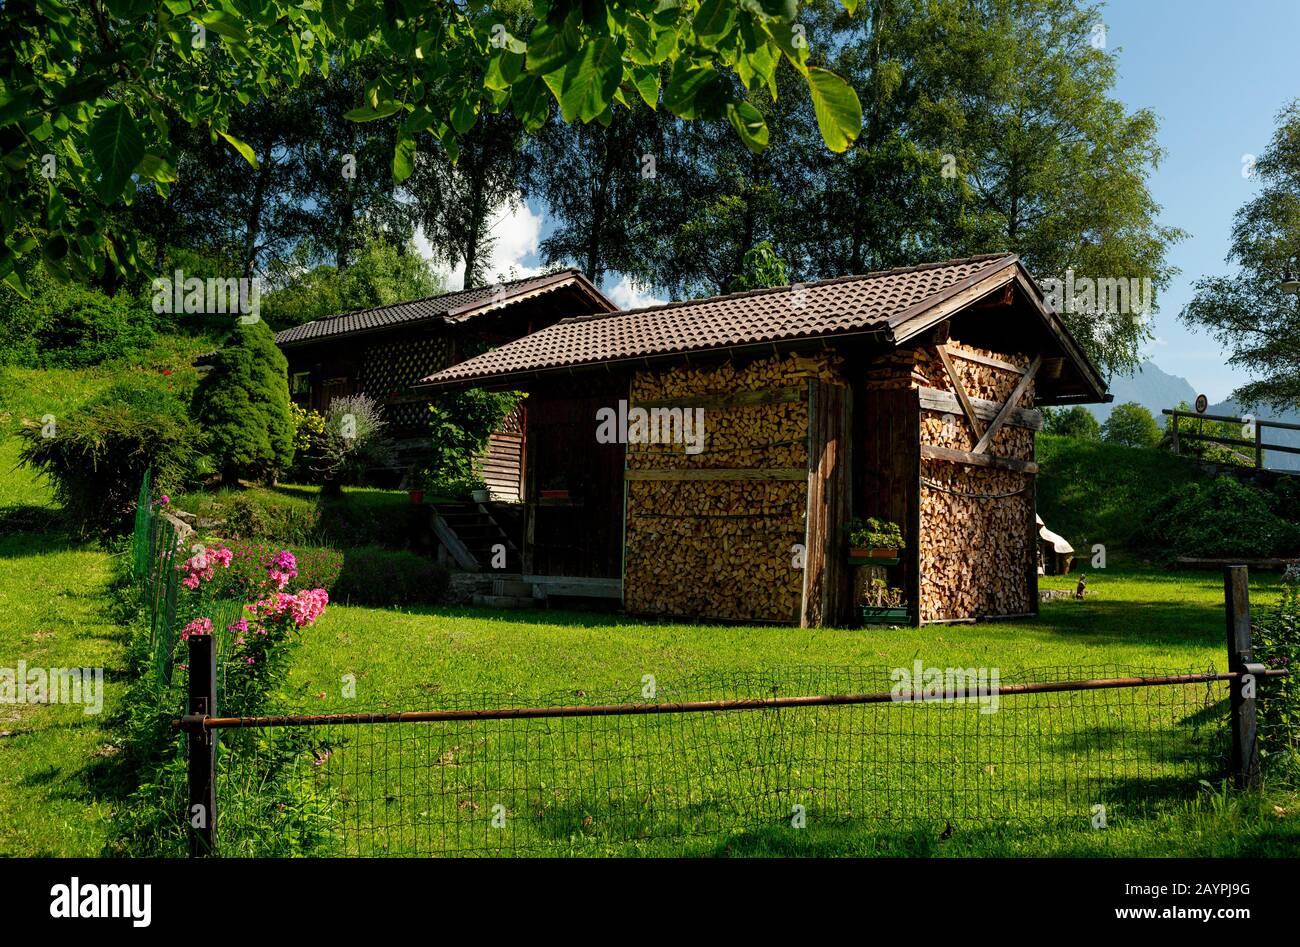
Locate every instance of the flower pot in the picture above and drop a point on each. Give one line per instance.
(555, 494)
(417, 496)
(873, 615)
(480, 496)
(882, 553)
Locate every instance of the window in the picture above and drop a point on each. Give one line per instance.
(300, 383)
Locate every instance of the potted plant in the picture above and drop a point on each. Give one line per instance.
(416, 491)
(884, 605)
(874, 538)
(480, 492)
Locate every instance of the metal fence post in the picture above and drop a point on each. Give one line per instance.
(1244, 762)
(202, 810)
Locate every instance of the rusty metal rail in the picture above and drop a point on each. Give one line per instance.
(194, 722)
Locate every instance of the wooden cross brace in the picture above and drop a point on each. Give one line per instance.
(985, 436)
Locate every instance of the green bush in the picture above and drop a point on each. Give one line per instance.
(243, 406)
(97, 455)
(1131, 425)
(375, 576)
(1276, 637)
(248, 517)
(1224, 518)
(67, 325)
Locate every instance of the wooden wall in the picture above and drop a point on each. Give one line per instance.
(712, 535)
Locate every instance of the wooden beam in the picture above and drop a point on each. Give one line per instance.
(929, 452)
(932, 399)
(718, 473)
(734, 399)
(986, 360)
(964, 399)
(1010, 405)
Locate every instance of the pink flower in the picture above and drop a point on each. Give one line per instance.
(200, 626)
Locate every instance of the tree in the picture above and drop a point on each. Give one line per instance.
(381, 274)
(760, 269)
(1249, 312)
(456, 191)
(87, 90)
(242, 405)
(1132, 425)
(1076, 421)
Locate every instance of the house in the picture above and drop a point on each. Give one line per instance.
(383, 351)
(701, 459)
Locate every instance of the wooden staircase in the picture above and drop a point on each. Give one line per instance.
(469, 532)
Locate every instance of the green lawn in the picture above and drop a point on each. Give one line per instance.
(1133, 616)
(874, 780)
(52, 597)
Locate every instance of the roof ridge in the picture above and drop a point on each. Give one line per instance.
(766, 290)
(433, 296)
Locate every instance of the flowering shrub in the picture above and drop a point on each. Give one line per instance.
(201, 567)
(250, 669)
(251, 563)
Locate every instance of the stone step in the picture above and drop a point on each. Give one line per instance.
(512, 587)
(505, 601)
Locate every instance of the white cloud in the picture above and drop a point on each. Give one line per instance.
(627, 295)
(516, 232)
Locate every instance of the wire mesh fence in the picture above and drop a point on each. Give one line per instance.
(613, 775)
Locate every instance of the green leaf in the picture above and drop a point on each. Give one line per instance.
(244, 150)
(117, 147)
(530, 102)
(646, 81)
(403, 159)
(547, 50)
(839, 113)
(850, 5)
(156, 168)
(694, 91)
(366, 113)
(715, 19)
(749, 125)
(224, 24)
(585, 86)
(463, 115)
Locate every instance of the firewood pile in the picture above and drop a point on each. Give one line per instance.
(977, 532)
(720, 548)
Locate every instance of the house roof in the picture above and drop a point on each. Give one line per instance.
(445, 308)
(894, 305)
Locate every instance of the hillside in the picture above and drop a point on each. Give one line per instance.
(1094, 492)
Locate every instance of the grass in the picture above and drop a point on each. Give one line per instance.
(1037, 769)
(1133, 615)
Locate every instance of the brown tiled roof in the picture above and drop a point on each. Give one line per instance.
(811, 310)
(446, 307)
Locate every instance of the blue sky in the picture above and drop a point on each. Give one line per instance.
(1216, 74)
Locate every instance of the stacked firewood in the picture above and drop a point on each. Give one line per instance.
(720, 548)
(976, 522)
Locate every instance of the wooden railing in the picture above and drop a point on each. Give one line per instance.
(1253, 446)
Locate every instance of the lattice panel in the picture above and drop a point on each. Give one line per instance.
(391, 368)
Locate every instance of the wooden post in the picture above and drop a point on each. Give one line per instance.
(1244, 762)
(1173, 418)
(202, 811)
(1259, 445)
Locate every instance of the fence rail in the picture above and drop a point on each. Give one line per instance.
(1255, 445)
